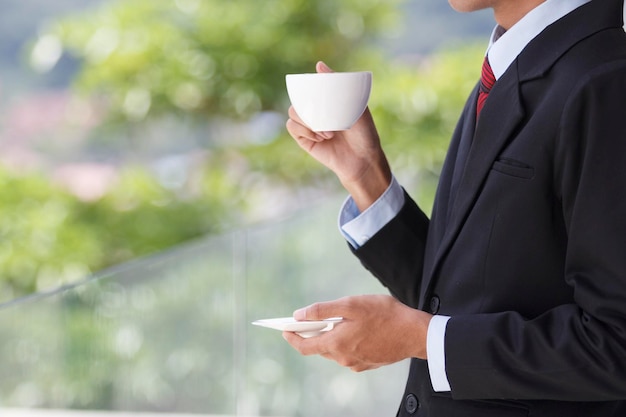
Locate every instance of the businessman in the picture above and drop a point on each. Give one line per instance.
(511, 299)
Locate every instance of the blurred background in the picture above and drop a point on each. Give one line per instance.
(128, 127)
(153, 204)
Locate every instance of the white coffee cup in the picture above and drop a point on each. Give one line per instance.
(330, 101)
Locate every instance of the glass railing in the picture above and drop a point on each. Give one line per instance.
(171, 333)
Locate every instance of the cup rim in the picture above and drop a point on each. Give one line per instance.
(344, 73)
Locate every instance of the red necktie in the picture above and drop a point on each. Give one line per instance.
(487, 80)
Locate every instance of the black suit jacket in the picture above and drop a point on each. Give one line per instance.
(526, 248)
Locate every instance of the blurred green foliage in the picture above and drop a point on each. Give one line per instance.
(216, 61)
(40, 239)
(50, 237)
(215, 57)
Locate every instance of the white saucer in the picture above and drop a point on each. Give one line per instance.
(302, 328)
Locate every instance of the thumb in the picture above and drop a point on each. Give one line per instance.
(322, 67)
(321, 311)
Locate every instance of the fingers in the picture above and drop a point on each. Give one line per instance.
(299, 130)
(323, 345)
(319, 345)
(306, 346)
(293, 117)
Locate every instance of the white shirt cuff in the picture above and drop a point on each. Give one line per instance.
(359, 227)
(435, 349)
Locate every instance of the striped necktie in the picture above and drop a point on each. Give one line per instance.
(487, 80)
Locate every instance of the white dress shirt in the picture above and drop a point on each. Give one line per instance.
(357, 227)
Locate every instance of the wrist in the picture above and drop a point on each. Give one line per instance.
(419, 335)
(368, 187)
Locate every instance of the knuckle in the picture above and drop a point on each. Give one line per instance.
(351, 302)
(314, 311)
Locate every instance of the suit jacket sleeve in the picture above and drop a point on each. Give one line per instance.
(398, 263)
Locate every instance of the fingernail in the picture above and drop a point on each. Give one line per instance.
(326, 67)
(326, 135)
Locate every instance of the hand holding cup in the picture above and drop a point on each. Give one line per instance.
(350, 147)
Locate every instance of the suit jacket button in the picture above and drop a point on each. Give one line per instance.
(411, 404)
(434, 304)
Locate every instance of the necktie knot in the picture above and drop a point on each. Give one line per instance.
(487, 80)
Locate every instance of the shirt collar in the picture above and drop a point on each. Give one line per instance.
(504, 48)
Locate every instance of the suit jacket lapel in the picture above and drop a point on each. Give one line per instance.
(467, 129)
(492, 132)
(449, 180)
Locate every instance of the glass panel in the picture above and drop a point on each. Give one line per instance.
(172, 333)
